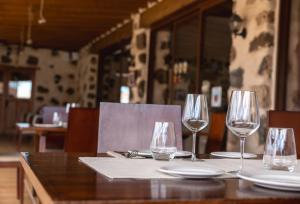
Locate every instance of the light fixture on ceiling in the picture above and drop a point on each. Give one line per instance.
(42, 18)
(29, 26)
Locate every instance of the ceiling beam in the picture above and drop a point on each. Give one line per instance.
(162, 10)
(115, 37)
(149, 17)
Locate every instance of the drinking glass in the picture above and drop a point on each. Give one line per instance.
(243, 117)
(195, 116)
(57, 118)
(163, 144)
(68, 106)
(280, 149)
(71, 105)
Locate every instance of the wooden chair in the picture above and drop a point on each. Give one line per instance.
(286, 119)
(129, 126)
(82, 133)
(46, 113)
(215, 137)
(45, 116)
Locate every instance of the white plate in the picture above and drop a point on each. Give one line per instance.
(233, 155)
(147, 153)
(191, 172)
(46, 125)
(278, 181)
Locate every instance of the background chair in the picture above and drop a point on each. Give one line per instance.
(286, 119)
(46, 113)
(55, 141)
(129, 126)
(216, 136)
(82, 133)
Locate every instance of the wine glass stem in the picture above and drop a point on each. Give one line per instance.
(194, 146)
(242, 149)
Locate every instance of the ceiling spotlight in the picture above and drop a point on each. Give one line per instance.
(29, 41)
(29, 26)
(42, 19)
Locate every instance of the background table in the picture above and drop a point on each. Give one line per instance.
(61, 178)
(12, 160)
(40, 134)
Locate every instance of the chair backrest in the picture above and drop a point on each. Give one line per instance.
(286, 119)
(216, 139)
(129, 126)
(47, 113)
(82, 133)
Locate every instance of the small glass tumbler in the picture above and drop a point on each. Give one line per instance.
(57, 119)
(163, 144)
(280, 150)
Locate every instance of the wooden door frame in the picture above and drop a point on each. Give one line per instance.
(282, 57)
(195, 9)
(195, 14)
(102, 54)
(7, 70)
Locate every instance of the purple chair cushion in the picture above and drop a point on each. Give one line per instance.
(47, 113)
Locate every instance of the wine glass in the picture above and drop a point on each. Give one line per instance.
(243, 117)
(195, 116)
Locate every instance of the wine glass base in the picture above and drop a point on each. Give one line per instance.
(234, 172)
(194, 158)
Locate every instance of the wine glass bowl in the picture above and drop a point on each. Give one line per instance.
(242, 117)
(195, 116)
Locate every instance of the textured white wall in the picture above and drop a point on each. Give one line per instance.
(87, 78)
(60, 63)
(139, 89)
(254, 55)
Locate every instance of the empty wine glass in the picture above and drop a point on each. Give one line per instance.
(195, 116)
(243, 117)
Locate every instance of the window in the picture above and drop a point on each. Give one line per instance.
(125, 94)
(20, 86)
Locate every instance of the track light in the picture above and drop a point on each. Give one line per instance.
(29, 26)
(42, 19)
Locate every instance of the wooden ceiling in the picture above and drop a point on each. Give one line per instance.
(70, 25)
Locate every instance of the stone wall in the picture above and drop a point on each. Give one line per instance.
(251, 60)
(161, 67)
(87, 78)
(56, 77)
(139, 67)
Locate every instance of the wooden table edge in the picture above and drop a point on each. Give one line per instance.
(38, 187)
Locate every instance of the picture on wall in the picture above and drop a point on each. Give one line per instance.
(216, 96)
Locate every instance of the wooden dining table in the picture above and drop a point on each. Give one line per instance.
(40, 134)
(61, 178)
